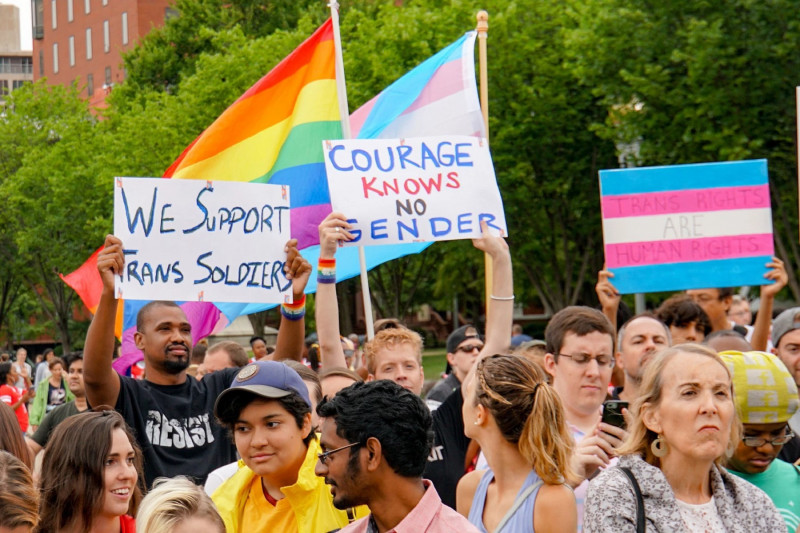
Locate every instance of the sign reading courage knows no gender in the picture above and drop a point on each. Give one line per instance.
(194, 240)
(410, 190)
(687, 226)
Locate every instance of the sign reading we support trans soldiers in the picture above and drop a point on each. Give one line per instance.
(194, 240)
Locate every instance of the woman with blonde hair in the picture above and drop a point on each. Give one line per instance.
(178, 506)
(19, 501)
(518, 420)
(669, 477)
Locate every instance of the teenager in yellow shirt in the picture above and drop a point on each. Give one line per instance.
(268, 410)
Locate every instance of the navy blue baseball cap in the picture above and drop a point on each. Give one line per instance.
(268, 379)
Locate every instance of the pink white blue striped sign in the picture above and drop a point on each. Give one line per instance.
(687, 226)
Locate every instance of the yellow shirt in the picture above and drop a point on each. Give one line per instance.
(260, 516)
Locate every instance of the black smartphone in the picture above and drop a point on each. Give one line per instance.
(612, 413)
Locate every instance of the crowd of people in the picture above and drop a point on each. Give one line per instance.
(677, 420)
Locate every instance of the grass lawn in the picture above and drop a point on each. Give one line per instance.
(434, 362)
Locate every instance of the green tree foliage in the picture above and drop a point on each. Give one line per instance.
(687, 82)
(50, 193)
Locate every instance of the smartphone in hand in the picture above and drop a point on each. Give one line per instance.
(612, 413)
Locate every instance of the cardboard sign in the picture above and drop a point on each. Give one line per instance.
(412, 190)
(194, 240)
(687, 226)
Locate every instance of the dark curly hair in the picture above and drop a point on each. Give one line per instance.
(396, 417)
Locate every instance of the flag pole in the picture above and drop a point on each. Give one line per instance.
(344, 113)
(797, 108)
(483, 32)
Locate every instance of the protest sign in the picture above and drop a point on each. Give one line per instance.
(193, 240)
(687, 226)
(411, 190)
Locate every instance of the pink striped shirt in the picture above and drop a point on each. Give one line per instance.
(429, 516)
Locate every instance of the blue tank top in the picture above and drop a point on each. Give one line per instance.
(522, 519)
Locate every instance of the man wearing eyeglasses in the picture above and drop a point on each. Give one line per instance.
(580, 358)
(376, 438)
(463, 347)
(766, 398)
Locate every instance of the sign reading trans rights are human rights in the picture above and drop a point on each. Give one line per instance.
(687, 226)
(193, 240)
(408, 190)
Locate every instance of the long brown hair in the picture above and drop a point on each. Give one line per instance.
(72, 482)
(11, 439)
(527, 412)
(19, 501)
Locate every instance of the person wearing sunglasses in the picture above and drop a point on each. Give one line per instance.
(463, 347)
(268, 411)
(766, 398)
(377, 437)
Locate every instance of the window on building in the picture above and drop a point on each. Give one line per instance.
(16, 84)
(87, 6)
(69, 11)
(88, 43)
(106, 42)
(3, 87)
(55, 58)
(90, 85)
(53, 12)
(38, 18)
(108, 75)
(41, 62)
(125, 28)
(71, 51)
(105, 2)
(170, 13)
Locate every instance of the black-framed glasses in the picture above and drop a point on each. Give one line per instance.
(469, 348)
(323, 457)
(584, 358)
(755, 442)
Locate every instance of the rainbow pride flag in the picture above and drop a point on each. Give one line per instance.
(273, 133)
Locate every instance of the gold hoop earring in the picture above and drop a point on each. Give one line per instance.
(659, 447)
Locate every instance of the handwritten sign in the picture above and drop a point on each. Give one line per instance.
(193, 240)
(687, 226)
(411, 190)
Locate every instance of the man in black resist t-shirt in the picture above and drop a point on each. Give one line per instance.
(170, 413)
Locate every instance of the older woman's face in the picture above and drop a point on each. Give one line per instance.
(696, 410)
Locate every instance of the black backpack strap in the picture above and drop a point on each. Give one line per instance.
(639, 500)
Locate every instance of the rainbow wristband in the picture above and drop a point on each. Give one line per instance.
(326, 271)
(296, 310)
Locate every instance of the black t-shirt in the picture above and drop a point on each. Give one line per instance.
(53, 419)
(175, 426)
(446, 462)
(790, 451)
(55, 396)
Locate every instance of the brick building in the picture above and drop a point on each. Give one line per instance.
(83, 40)
(16, 65)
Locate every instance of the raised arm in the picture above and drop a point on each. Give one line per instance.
(501, 299)
(332, 230)
(768, 292)
(102, 382)
(608, 295)
(292, 330)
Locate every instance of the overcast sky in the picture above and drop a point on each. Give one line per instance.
(25, 21)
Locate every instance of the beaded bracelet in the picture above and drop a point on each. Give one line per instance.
(326, 271)
(296, 310)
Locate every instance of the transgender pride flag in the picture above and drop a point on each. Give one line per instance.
(687, 226)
